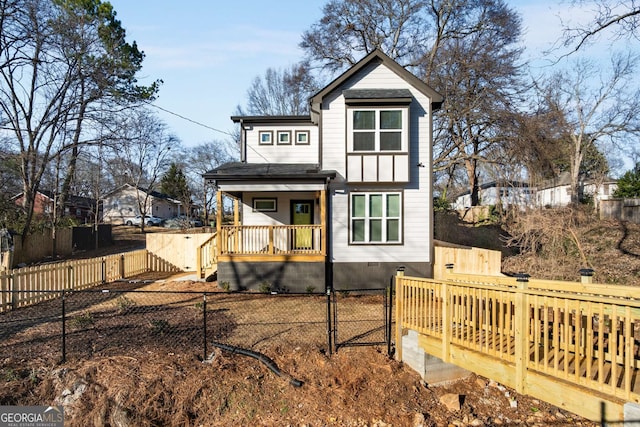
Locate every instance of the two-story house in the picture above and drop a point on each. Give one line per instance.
(339, 198)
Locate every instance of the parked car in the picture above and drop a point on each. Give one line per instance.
(182, 222)
(148, 220)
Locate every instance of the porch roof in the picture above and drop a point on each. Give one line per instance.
(237, 171)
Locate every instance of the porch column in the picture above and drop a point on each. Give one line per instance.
(323, 222)
(219, 222)
(236, 212)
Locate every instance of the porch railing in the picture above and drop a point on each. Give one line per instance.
(271, 240)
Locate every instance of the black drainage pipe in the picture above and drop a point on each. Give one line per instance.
(260, 357)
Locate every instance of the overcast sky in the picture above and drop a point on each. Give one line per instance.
(207, 52)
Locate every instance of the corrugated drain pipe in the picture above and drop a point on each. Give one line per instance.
(261, 357)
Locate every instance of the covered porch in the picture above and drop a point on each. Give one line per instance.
(276, 234)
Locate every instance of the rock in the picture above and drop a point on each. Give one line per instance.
(513, 403)
(418, 420)
(476, 423)
(451, 401)
(481, 383)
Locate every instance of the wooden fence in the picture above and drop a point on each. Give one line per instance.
(567, 343)
(40, 245)
(30, 285)
(466, 259)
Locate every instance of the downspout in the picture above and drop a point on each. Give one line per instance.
(243, 142)
(328, 275)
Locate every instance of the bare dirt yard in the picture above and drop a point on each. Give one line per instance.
(130, 377)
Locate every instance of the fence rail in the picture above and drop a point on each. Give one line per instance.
(29, 285)
(583, 334)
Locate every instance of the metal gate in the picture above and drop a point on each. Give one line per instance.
(361, 317)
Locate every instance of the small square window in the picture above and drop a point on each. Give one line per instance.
(302, 137)
(265, 205)
(266, 137)
(284, 137)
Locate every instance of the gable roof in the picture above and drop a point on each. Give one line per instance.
(153, 193)
(377, 56)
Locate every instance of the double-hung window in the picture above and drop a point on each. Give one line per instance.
(376, 218)
(378, 129)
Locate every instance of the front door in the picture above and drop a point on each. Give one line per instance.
(302, 214)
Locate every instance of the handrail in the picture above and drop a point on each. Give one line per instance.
(207, 254)
(580, 333)
(271, 240)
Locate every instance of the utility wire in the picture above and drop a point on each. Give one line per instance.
(189, 120)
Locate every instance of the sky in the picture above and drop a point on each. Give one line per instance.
(207, 52)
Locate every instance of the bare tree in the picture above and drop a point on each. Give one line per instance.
(619, 19)
(349, 29)
(143, 155)
(466, 49)
(598, 107)
(58, 59)
(282, 92)
(203, 158)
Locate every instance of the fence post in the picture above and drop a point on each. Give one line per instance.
(586, 276)
(14, 290)
(446, 321)
(64, 332)
(122, 276)
(399, 313)
(104, 271)
(329, 329)
(389, 314)
(521, 332)
(204, 325)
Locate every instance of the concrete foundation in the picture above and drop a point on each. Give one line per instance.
(432, 369)
(631, 415)
(369, 275)
(277, 276)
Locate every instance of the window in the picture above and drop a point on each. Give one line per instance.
(376, 218)
(302, 137)
(266, 137)
(284, 137)
(378, 130)
(265, 205)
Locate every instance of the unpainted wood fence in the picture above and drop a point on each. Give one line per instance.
(29, 285)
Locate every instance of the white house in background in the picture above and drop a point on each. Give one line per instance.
(557, 192)
(338, 198)
(122, 204)
(504, 193)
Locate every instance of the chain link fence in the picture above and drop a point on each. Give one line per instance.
(126, 319)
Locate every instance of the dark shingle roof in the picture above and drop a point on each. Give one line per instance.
(237, 170)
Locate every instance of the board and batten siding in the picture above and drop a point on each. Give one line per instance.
(279, 153)
(417, 198)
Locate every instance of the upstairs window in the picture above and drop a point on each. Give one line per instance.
(376, 218)
(378, 130)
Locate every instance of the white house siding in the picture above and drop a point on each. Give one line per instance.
(283, 214)
(417, 205)
(278, 153)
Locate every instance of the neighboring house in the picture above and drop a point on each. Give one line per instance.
(504, 193)
(123, 204)
(557, 192)
(80, 208)
(339, 198)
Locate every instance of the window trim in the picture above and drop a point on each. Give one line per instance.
(303, 132)
(384, 218)
(257, 200)
(284, 132)
(404, 130)
(265, 132)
